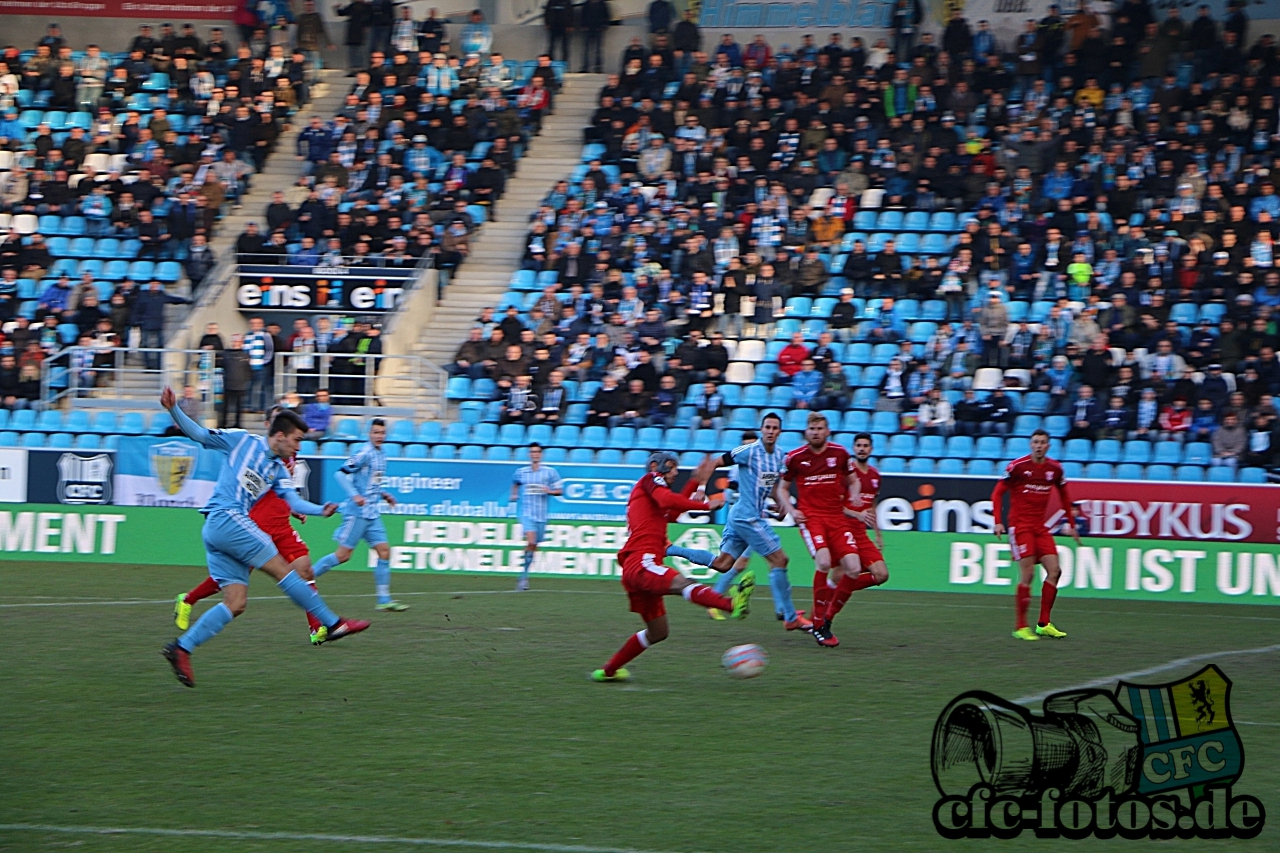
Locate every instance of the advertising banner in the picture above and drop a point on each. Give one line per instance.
(1207, 572)
(76, 477)
(174, 472)
(13, 475)
(205, 10)
(809, 13)
(370, 290)
(482, 489)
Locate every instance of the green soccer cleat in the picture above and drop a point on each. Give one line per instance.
(717, 615)
(181, 612)
(392, 607)
(1025, 634)
(1047, 630)
(319, 635)
(620, 675)
(742, 595)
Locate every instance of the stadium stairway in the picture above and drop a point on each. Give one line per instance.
(499, 246)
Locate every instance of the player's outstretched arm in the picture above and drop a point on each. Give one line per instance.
(190, 428)
(284, 488)
(786, 506)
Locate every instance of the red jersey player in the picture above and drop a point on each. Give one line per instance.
(861, 514)
(821, 471)
(271, 514)
(647, 581)
(1029, 482)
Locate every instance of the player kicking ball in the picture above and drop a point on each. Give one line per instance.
(869, 566)
(533, 484)
(272, 515)
(361, 477)
(234, 545)
(650, 508)
(1028, 482)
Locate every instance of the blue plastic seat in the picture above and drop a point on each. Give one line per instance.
(498, 453)
(1098, 471)
(429, 432)
(456, 433)
(1129, 471)
(1078, 450)
(9, 439)
(1057, 426)
(33, 439)
(1073, 470)
(552, 455)
(609, 456)
(511, 434)
(1159, 472)
(916, 220)
(622, 438)
(960, 447)
(88, 441)
(1196, 453)
(1221, 474)
(471, 452)
(1106, 450)
(459, 388)
(1190, 474)
(540, 434)
(594, 436)
(981, 468)
(444, 451)
(1167, 452)
(944, 221)
(1253, 475)
(1137, 452)
(856, 421)
(566, 435)
(933, 244)
(677, 440)
(886, 422)
(865, 398)
(50, 420)
(902, 444)
(582, 456)
(1024, 425)
(990, 447)
(1184, 313)
(950, 467)
(62, 440)
(415, 451)
(920, 465)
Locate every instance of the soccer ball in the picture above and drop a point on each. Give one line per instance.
(745, 661)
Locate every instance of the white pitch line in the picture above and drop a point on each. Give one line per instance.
(315, 836)
(1142, 673)
(136, 601)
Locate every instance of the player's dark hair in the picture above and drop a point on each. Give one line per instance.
(535, 446)
(749, 435)
(861, 435)
(771, 416)
(1043, 432)
(377, 422)
(287, 421)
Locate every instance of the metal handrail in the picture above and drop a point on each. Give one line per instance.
(357, 381)
(63, 378)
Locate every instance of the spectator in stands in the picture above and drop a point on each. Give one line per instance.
(792, 358)
(236, 379)
(805, 385)
(553, 400)
(509, 368)
(10, 393)
(318, 413)
(149, 317)
(607, 402)
(1175, 421)
(1117, 420)
(710, 405)
(935, 415)
(259, 345)
(1086, 414)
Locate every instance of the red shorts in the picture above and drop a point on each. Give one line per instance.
(868, 553)
(830, 533)
(287, 541)
(646, 581)
(1031, 542)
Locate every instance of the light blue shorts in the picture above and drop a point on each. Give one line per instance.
(538, 527)
(754, 534)
(354, 528)
(234, 546)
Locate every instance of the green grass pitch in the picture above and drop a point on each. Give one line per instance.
(471, 716)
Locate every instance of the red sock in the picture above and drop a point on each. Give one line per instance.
(708, 597)
(1022, 600)
(207, 587)
(312, 621)
(630, 650)
(1048, 593)
(821, 596)
(848, 586)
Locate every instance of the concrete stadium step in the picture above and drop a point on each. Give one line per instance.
(498, 248)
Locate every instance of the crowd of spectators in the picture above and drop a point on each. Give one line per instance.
(116, 171)
(1124, 192)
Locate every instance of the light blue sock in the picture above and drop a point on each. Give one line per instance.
(725, 581)
(693, 555)
(780, 585)
(528, 561)
(206, 627)
(324, 564)
(382, 581)
(308, 599)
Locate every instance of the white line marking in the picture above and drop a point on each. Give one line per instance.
(1140, 673)
(314, 836)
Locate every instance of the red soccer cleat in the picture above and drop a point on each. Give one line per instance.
(345, 628)
(799, 623)
(180, 659)
(826, 639)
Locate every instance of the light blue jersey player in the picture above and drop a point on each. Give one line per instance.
(361, 476)
(760, 467)
(533, 485)
(234, 545)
